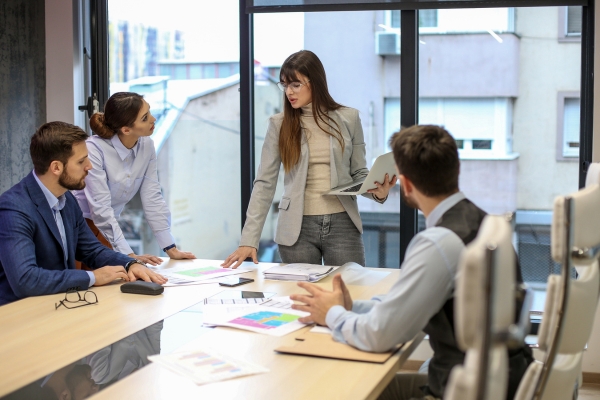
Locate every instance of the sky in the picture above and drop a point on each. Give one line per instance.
(211, 27)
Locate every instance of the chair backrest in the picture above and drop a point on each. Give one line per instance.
(570, 305)
(495, 234)
(488, 262)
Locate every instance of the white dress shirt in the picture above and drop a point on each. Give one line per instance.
(426, 282)
(117, 175)
(56, 205)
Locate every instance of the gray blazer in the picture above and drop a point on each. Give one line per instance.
(346, 166)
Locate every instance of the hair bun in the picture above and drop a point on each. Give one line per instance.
(99, 127)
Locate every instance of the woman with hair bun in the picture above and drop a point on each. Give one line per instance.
(124, 162)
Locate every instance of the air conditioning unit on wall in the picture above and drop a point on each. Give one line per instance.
(387, 43)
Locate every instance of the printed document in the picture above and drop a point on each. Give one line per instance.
(196, 272)
(273, 317)
(206, 366)
(299, 272)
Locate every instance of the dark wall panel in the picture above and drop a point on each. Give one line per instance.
(22, 84)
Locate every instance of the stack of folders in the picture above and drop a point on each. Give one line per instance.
(299, 272)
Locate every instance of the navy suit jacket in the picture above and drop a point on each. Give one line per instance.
(32, 261)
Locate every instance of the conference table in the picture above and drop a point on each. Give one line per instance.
(36, 339)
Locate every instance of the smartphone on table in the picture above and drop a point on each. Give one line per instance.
(231, 282)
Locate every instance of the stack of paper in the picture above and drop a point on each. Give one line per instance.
(205, 366)
(299, 272)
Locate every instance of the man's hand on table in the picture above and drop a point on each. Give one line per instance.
(138, 271)
(319, 301)
(109, 274)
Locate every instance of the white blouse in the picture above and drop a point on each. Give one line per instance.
(116, 176)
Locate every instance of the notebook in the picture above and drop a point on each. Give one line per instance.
(299, 272)
(384, 164)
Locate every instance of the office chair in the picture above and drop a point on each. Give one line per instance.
(570, 305)
(484, 313)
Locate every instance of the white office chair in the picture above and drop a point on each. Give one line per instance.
(484, 306)
(570, 305)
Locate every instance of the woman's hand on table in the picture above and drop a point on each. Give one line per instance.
(177, 254)
(239, 256)
(382, 190)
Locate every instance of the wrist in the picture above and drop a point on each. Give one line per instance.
(173, 246)
(130, 263)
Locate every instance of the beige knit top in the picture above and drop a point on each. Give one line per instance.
(318, 179)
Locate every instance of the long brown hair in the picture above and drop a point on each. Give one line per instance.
(120, 110)
(308, 64)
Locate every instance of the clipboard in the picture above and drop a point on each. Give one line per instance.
(322, 345)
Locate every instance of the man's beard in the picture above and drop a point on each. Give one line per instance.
(69, 183)
(408, 202)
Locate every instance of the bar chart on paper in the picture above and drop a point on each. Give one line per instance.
(265, 319)
(274, 317)
(203, 366)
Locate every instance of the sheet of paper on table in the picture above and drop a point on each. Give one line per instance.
(206, 366)
(274, 317)
(196, 272)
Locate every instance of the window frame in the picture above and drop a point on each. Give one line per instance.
(563, 36)
(560, 124)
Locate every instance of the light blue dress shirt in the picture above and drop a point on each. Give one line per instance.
(117, 174)
(56, 204)
(426, 282)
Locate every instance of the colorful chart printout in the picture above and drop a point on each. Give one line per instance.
(265, 319)
(205, 366)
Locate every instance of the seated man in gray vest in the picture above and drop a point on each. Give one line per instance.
(422, 298)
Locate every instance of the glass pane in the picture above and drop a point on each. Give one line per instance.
(490, 86)
(171, 57)
(363, 72)
(574, 20)
(571, 127)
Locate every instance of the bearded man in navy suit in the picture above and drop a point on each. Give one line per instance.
(43, 230)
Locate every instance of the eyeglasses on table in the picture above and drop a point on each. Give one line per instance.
(72, 297)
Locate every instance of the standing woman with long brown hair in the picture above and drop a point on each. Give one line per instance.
(124, 162)
(321, 145)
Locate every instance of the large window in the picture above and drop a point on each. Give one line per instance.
(483, 73)
(171, 55)
(492, 90)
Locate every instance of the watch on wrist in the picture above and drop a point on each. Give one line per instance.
(130, 263)
(169, 247)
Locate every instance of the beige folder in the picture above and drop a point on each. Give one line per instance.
(323, 345)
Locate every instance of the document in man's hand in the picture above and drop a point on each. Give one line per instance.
(299, 272)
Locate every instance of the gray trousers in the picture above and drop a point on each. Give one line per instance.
(330, 239)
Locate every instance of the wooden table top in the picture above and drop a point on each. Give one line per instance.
(36, 340)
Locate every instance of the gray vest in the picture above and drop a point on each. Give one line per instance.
(464, 219)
